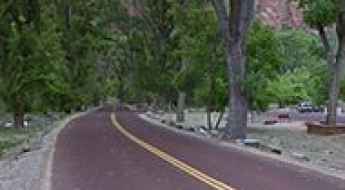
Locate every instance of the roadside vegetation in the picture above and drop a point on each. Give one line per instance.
(65, 56)
(14, 140)
(10, 138)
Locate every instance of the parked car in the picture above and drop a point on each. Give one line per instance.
(307, 107)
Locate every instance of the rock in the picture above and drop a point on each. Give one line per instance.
(300, 156)
(192, 129)
(8, 125)
(214, 132)
(26, 124)
(276, 151)
(202, 131)
(324, 160)
(249, 142)
(179, 126)
(270, 122)
(26, 148)
(202, 127)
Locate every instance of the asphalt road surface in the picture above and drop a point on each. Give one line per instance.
(97, 152)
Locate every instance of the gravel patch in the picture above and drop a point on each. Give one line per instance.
(325, 154)
(31, 170)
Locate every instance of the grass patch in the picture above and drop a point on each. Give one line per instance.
(11, 137)
(5, 146)
(39, 125)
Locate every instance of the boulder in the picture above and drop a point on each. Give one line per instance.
(214, 132)
(300, 156)
(191, 129)
(26, 148)
(202, 131)
(9, 125)
(270, 122)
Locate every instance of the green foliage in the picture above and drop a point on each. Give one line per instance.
(86, 40)
(319, 12)
(213, 94)
(300, 49)
(69, 54)
(264, 63)
(149, 50)
(277, 69)
(32, 60)
(290, 88)
(204, 77)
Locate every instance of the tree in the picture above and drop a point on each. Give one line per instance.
(194, 49)
(87, 27)
(32, 58)
(290, 88)
(199, 45)
(302, 54)
(152, 31)
(264, 62)
(322, 15)
(235, 20)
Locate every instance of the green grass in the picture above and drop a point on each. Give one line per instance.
(10, 138)
(5, 146)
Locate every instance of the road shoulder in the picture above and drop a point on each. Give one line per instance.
(304, 167)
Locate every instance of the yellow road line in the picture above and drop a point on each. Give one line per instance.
(212, 182)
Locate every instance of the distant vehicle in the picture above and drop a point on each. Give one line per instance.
(307, 107)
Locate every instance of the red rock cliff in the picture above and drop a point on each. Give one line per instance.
(279, 13)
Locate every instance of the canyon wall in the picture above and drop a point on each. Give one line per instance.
(279, 13)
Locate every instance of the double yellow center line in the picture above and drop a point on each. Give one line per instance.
(210, 181)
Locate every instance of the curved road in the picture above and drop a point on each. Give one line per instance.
(95, 153)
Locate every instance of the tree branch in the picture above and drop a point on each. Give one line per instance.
(241, 16)
(341, 33)
(223, 19)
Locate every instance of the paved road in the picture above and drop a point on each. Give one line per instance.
(92, 154)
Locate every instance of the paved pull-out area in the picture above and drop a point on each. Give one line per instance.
(94, 154)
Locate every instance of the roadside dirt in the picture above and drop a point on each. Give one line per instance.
(31, 170)
(323, 153)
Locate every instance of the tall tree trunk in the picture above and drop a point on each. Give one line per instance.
(237, 120)
(180, 117)
(234, 26)
(336, 62)
(19, 114)
(337, 69)
(241, 15)
(334, 88)
(333, 83)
